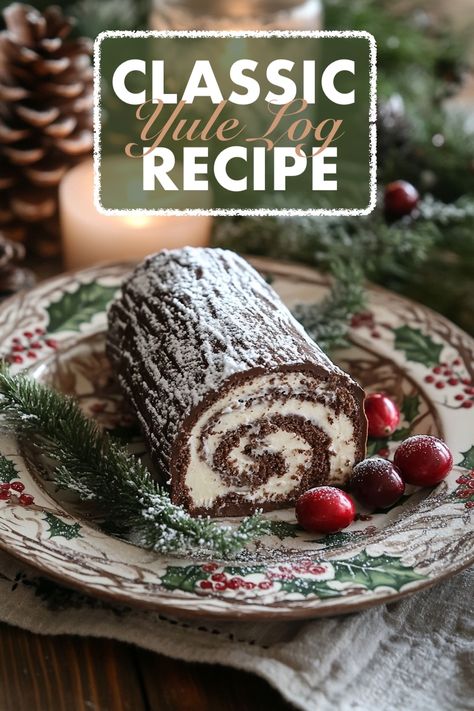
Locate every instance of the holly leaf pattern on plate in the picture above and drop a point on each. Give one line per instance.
(410, 407)
(370, 572)
(8, 470)
(417, 347)
(283, 529)
(468, 458)
(58, 527)
(183, 577)
(78, 307)
(373, 572)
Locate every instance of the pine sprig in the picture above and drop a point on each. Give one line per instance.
(78, 456)
(328, 322)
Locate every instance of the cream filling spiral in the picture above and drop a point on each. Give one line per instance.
(263, 437)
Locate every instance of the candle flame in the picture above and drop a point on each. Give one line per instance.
(137, 221)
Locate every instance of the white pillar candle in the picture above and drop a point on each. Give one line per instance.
(90, 238)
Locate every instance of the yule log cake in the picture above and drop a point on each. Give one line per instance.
(239, 407)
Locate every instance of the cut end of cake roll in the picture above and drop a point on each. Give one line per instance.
(265, 438)
(240, 408)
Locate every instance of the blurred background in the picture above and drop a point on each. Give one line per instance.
(420, 239)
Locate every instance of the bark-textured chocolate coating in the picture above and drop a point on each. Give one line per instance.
(190, 327)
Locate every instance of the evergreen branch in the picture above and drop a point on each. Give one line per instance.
(328, 322)
(79, 457)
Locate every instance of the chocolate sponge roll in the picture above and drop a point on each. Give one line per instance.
(239, 407)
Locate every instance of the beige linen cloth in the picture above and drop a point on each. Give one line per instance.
(412, 655)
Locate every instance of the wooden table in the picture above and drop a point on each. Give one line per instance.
(79, 674)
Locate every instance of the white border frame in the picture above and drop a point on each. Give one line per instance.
(260, 212)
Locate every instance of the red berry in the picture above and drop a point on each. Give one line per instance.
(28, 334)
(423, 460)
(219, 577)
(469, 504)
(26, 499)
(36, 345)
(15, 359)
(17, 348)
(205, 584)
(5, 485)
(210, 567)
(324, 509)
(453, 381)
(31, 354)
(401, 198)
(437, 369)
(440, 385)
(467, 404)
(51, 343)
(376, 483)
(460, 396)
(39, 331)
(4, 495)
(233, 584)
(265, 585)
(429, 379)
(457, 361)
(18, 486)
(382, 414)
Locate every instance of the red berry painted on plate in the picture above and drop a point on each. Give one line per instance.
(401, 198)
(423, 460)
(382, 415)
(376, 483)
(17, 486)
(324, 509)
(26, 499)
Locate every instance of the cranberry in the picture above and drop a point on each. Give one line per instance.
(382, 414)
(325, 509)
(376, 483)
(423, 460)
(401, 198)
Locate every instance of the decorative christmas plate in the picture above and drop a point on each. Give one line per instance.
(57, 332)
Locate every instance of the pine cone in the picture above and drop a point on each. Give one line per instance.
(12, 277)
(45, 119)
